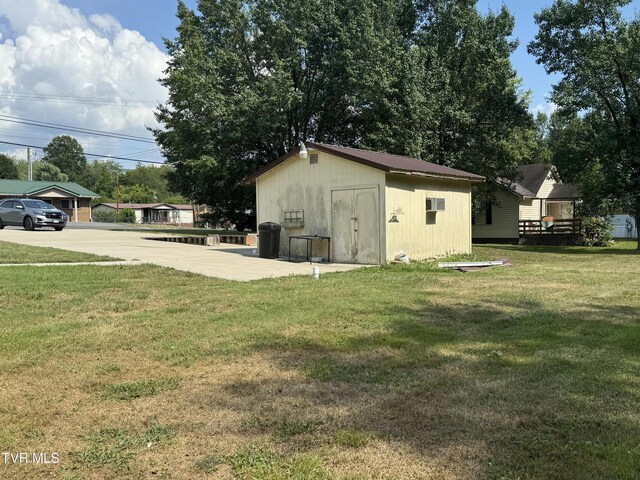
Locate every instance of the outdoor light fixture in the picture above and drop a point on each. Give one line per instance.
(303, 150)
(394, 215)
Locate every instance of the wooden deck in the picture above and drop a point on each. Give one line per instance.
(561, 233)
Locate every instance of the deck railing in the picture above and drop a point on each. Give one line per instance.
(570, 226)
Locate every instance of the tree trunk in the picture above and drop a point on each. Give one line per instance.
(637, 218)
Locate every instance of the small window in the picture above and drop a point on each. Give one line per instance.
(484, 217)
(294, 216)
(66, 204)
(435, 204)
(313, 159)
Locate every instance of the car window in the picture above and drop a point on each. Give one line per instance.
(38, 204)
(8, 204)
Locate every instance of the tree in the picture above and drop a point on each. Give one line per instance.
(154, 178)
(595, 50)
(248, 81)
(136, 194)
(67, 154)
(48, 172)
(101, 176)
(8, 168)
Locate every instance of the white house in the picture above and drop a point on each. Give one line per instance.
(372, 206)
(153, 213)
(520, 206)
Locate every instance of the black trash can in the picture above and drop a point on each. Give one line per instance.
(269, 239)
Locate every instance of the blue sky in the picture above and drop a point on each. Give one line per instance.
(95, 64)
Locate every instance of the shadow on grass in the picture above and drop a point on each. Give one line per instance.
(529, 394)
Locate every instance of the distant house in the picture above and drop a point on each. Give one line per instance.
(70, 197)
(520, 206)
(372, 206)
(153, 213)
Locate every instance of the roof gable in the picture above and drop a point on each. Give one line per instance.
(379, 160)
(533, 176)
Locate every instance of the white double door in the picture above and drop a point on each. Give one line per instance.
(355, 215)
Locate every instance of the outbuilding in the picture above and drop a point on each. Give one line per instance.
(73, 199)
(370, 207)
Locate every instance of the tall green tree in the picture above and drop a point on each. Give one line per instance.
(155, 178)
(249, 80)
(100, 176)
(48, 172)
(66, 153)
(595, 50)
(8, 168)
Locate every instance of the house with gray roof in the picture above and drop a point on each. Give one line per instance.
(73, 199)
(520, 207)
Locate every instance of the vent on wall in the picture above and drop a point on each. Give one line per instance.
(313, 159)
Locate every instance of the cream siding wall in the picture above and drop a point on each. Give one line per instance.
(504, 218)
(298, 185)
(546, 187)
(451, 232)
(530, 209)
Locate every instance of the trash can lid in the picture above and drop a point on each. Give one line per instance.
(269, 226)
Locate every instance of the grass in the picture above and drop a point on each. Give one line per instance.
(133, 390)
(405, 371)
(16, 253)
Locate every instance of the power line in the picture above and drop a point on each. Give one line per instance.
(88, 154)
(78, 99)
(69, 128)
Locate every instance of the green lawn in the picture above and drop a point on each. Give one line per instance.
(403, 372)
(16, 253)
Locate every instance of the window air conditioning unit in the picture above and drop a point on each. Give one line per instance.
(435, 205)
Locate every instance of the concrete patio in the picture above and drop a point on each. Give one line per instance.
(231, 262)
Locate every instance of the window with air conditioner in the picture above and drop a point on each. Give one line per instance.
(436, 204)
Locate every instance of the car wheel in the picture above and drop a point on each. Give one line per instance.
(28, 224)
(58, 229)
(1, 224)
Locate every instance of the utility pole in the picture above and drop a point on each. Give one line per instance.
(117, 195)
(29, 165)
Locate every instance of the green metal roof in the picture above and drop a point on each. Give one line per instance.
(24, 187)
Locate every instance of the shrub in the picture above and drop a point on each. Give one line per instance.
(127, 215)
(598, 231)
(104, 216)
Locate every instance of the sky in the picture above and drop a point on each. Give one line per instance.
(56, 54)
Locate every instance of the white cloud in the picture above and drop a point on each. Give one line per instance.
(547, 108)
(49, 52)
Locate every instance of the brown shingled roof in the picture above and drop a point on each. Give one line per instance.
(141, 206)
(567, 191)
(379, 160)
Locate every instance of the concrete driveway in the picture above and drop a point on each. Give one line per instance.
(231, 262)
